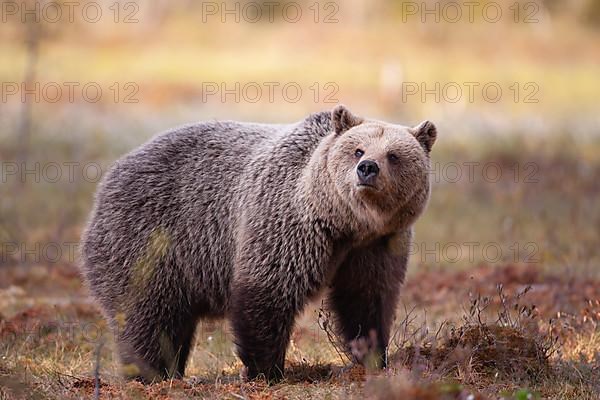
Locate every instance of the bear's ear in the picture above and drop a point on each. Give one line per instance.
(342, 119)
(426, 134)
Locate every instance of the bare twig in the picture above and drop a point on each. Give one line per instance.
(325, 324)
(97, 372)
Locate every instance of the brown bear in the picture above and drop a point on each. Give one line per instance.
(251, 221)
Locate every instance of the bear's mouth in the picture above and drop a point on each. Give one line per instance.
(366, 186)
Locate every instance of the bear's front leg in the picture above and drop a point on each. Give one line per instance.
(364, 296)
(262, 320)
(279, 264)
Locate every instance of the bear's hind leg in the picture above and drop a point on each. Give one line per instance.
(154, 342)
(184, 344)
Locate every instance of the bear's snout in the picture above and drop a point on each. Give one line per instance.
(367, 171)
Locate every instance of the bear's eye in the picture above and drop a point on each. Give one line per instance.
(359, 153)
(392, 157)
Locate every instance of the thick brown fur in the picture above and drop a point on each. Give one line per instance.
(250, 222)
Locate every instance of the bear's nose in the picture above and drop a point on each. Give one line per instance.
(367, 170)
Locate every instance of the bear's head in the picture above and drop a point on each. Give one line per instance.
(380, 170)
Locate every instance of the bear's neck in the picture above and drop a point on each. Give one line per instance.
(319, 201)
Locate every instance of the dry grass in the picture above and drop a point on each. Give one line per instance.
(501, 346)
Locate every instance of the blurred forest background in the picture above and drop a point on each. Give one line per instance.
(513, 87)
(86, 83)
